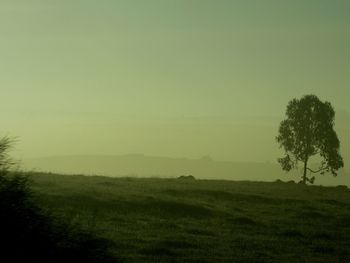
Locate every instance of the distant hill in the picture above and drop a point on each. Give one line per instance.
(138, 165)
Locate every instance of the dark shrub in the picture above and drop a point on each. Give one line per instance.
(28, 234)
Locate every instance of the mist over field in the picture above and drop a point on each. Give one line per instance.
(181, 79)
(138, 165)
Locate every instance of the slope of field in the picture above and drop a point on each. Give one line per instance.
(183, 220)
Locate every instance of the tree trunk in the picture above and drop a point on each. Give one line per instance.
(305, 170)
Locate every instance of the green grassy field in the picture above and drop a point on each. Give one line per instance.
(173, 220)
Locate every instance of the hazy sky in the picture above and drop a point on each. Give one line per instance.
(167, 77)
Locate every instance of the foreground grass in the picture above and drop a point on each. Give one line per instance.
(172, 220)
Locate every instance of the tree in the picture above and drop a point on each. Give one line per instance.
(308, 131)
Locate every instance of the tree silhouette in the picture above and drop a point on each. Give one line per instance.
(308, 131)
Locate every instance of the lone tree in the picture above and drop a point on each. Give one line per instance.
(308, 131)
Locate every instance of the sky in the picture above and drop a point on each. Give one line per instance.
(176, 78)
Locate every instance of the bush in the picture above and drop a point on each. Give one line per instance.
(30, 234)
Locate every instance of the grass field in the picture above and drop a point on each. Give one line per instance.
(174, 220)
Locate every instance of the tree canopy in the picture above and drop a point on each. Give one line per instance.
(309, 131)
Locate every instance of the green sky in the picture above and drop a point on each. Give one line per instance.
(168, 77)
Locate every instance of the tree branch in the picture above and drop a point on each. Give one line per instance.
(310, 180)
(320, 170)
